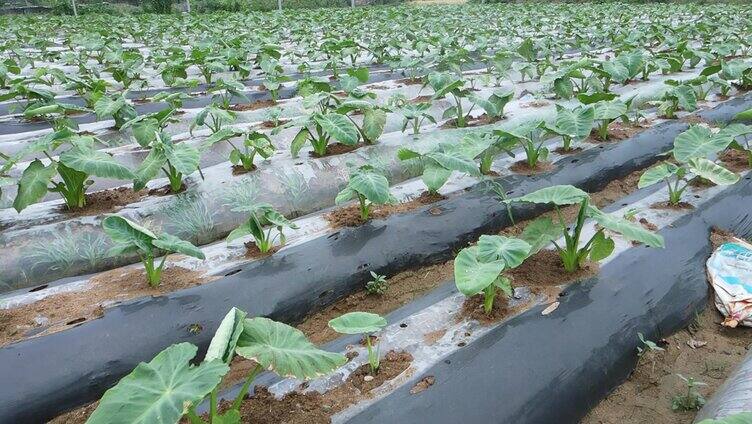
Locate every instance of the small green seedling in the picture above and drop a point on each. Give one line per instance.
(647, 346)
(691, 400)
(259, 216)
(477, 269)
(530, 137)
(369, 186)
(543, 231)
(130, 237)
(378, 285)
(689, 153)
(254, 143)
(170, 387)
(364, 323)
(572, 124)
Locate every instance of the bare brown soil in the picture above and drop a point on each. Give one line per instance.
(646, 396)
(349, 216)
(61, 311)
(667, 205)
(259, 104)
(483, 119)
(545, 269)
(252, 251)
(410, 81)
(337, 149)
(522, 167)
(735, 160)
(106, 201)
(421, 99)
(240, 170)
(272, 124)
(560, 150)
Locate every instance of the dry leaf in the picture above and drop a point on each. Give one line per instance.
(552, 307)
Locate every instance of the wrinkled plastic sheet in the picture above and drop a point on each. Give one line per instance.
(730, 274)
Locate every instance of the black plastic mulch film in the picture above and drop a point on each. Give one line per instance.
(61, 371)
(553, 369)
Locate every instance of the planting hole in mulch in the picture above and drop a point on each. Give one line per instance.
(272, 124)
(252, 251)
(337, 149)
(667, 205)
(165, 190)
(572, 150)
(390, 366)
(522, 167)
(545, 269)
(240, 170)
(421, 99)
(483, 119)
(349, 216)
(472, 309)
(105, 201)
(259, 104)
(55, 312)
(410, 81)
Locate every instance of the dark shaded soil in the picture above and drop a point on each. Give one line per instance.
(560, 150)
(240, 170)
(165, 190)
(349, 216)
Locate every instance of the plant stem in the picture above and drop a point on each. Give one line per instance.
(373, 360)
(489, 293)
(364, 207)
(244, 390)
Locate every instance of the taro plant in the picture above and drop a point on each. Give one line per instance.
(74, 166)
(438, 164)
(690, 152)
(572, 125)
(213, 118)
(259, 216)
(361, 323)
(274, 76)
(117, 107)
(478, 269)
(176, 160)
(604, 113)
(445, 84)
(369, 186)
(529, 136)
(413, 114)
(169, 388)
(678, 97)
(130, 237)
(254, 143)
(573, 253)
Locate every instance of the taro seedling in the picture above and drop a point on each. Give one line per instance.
(445, 84)
(572, 125)
(273, 77)
(225, 90)
(605, 112)
(361, 323)
(169, 387)
(679, 97)
(259, 216)
(738, 131)
(691, 400)
(145, 128)
(176, 160)
(543, 231)
(689, 158)
(414, 114)
(213, 118)
(369, 186)
(438, 164)
(117, 107)
(477, 269)
(130, 237)
(254, 143)
(73, 166)
(529, 136)
(378, 285)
